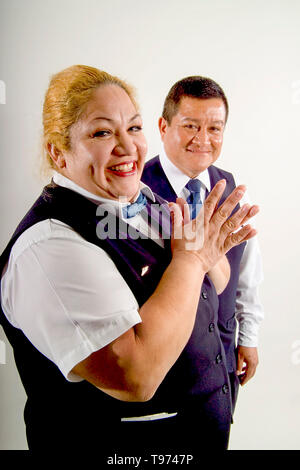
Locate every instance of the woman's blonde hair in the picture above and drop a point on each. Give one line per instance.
(66, 98)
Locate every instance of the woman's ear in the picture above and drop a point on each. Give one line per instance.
(56, 155)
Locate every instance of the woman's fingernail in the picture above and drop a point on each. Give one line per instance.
(253, 211)
(245, 208)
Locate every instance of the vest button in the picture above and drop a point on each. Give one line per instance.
(218, 358)
(204, 295)
(211, 327)
(225, 389)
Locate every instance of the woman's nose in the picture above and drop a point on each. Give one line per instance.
(125, 145)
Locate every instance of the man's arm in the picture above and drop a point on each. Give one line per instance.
(249, 310)
(247, 361)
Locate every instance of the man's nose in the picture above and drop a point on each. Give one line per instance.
(124, 145)
(201, 136)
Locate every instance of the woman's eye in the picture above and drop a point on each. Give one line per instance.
(101, 133)
(135, 128)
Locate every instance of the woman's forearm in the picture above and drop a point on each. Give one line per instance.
(168, 318)
(133, 366)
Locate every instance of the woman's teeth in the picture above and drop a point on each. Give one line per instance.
(126, 167)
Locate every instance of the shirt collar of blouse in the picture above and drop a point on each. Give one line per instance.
(69, 184)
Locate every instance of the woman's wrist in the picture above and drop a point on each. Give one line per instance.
(191, 259)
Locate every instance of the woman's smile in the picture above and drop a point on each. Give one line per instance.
(108, 147)
(124, 169)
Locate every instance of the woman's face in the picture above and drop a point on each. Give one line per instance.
(108, 147)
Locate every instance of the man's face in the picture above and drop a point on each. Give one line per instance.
(193, 140)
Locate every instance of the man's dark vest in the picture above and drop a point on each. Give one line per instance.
(62, 413)
(155, 177)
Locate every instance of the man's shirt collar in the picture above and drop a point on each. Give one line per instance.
(177, 179)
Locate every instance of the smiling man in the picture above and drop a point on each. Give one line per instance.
(191, 127)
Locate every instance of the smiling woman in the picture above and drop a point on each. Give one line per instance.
(92, 115)
(111, 336)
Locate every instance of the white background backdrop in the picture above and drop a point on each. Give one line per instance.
(252, 49)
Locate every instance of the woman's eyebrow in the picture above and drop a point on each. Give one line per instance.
(103, 118)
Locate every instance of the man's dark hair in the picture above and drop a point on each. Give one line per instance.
(193, 87)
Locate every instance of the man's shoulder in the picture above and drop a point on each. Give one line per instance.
(221, 171)
(152, 163)
(152, 172)
(155, 177)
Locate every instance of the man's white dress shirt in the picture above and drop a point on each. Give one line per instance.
(249, 310)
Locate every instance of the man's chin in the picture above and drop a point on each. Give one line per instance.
(193, 172)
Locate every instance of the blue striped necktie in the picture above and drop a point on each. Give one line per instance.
(194, 199)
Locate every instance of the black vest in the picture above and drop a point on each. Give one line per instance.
(59, 411)
(155, 177)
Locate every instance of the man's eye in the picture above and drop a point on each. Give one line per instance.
(216, 129)
(190, 127)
